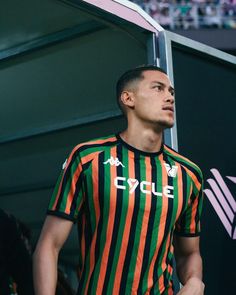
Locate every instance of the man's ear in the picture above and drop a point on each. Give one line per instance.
(127, 98)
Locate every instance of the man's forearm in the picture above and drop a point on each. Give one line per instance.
(45, 271)
(189, 267)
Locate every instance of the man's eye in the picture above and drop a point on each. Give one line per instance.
(158, 87)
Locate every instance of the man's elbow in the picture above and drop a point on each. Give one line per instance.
(185, 257)
(189, 266)
(45, 251)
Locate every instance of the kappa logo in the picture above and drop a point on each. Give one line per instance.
(113, 161)
(223, 201)
(171, 171)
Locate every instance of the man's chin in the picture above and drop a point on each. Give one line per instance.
(166, 124)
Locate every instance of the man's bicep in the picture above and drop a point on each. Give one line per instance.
(185, 245)
(55, 231)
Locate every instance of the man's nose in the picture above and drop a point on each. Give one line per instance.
(170, 98)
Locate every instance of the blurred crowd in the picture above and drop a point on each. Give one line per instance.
(191, 14)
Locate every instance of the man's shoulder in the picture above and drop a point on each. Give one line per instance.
(86, 151)
(95, 144)
(183, 160)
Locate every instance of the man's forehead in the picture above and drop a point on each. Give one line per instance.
(156, 76)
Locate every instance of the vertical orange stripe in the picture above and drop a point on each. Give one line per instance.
(144, 228)
(110, 225)
(97, 214)
(160, 284)
(170, 269)
(76, 175)
(193, 177)
(170, 290)
(163, 264)
(89, 157)
(161, 229)
(180, 190)
(73, 188)
(125, 238)
(193, 215)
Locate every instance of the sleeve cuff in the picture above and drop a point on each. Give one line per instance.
(61, 215)
(183, 234)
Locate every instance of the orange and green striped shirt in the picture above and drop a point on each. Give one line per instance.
(127, 204)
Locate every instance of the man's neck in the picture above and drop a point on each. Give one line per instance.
(143, 139)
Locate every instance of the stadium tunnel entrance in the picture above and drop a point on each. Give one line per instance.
(59, 63)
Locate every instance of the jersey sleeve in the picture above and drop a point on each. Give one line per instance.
(67, 197)
(189, 222)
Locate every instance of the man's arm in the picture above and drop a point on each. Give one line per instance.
(189, 265)
(54, 233)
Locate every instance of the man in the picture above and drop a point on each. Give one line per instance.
(132, 197)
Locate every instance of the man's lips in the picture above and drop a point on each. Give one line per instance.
(168, 108)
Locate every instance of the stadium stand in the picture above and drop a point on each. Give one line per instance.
(197, 19)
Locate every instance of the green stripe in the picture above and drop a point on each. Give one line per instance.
(200, 200)
(172, 223)
(188, 209)
(106, 207)
(79, 202)
(92, 219)
(141, 211)
(90, 199)
(125, 206)
(176, 195)
(174, 210)
(67, 190)
(155, 233)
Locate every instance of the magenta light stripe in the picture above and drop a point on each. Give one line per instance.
(225, 189)
(218, 210)
(232, 178)
(221, 199)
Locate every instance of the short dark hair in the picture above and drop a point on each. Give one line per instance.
(130, 76)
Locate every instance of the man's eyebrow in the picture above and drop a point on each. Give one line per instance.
(171, 88)
(163, 84)
(158, 82)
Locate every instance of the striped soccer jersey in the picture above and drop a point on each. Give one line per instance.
(127, 204)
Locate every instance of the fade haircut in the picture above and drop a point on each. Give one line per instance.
(132, 76)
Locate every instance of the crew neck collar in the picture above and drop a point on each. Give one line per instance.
(133, 149)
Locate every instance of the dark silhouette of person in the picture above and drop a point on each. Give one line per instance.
(15, 256)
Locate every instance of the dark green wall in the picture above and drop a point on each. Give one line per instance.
(206, 124)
